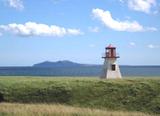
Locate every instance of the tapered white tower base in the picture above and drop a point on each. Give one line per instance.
(111, 69)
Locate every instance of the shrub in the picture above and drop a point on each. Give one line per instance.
(1, 97)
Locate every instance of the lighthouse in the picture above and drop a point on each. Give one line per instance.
(111, 69)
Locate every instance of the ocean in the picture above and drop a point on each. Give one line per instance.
(127, 71)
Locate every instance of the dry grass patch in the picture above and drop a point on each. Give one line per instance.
(16, 109)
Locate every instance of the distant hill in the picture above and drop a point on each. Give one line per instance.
(64, 63)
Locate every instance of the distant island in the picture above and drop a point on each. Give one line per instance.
(63, 63)
(67, 63)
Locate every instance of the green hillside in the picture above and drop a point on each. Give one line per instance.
(126, 94)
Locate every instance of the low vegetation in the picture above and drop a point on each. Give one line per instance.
(7, 109)
(123, 95)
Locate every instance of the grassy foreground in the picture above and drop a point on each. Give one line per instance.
(123, 95)
(8, 109)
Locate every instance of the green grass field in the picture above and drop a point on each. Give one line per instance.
(137, 94)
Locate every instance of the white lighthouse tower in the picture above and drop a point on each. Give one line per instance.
(111, 69)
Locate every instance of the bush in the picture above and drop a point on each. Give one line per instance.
(1, 97)
(32, 94)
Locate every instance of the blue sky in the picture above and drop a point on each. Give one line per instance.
(33, 31)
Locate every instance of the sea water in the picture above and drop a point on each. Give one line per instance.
(144, 71)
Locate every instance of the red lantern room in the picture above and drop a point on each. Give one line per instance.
(110, 52)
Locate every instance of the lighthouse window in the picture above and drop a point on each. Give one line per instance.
(113, 67)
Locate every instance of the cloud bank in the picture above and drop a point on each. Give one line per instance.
(130, 26)
(36, 29)
(17, 4)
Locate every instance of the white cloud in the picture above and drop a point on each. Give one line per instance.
(94, 29)
(151, 29)
(17, 4)
(58, 1)
(74, 32)
(156, 12)
(153, 46)
(132, 43)
(140, 5)
(92, 45)
(36, 29)
(122, 1)
(0, 34)
(130, 26)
